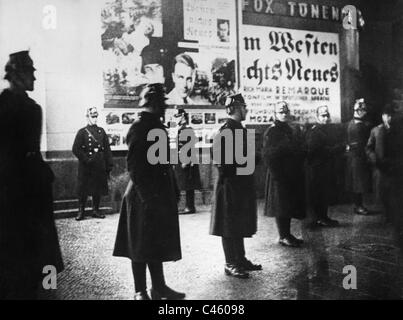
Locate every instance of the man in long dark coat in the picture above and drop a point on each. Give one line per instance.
(234, 209)
(284, 153)
(95, 162)
(358, 180)
(148, 231)
(187, 174)
(28, 236)
(322, 150)
(393, 169)
(376, 153)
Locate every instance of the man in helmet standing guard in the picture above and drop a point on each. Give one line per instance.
(91, 147)
(234, 209)
(358, 180)
(148, 230)
(284, 153)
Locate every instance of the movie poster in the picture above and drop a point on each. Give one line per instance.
(199, 69)
(296, 66)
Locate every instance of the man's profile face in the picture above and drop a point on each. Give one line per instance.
(183, 78)
(223, 32)
(27, 79)
(244, 113)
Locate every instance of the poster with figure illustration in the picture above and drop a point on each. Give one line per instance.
(140, 45)
(128, 27)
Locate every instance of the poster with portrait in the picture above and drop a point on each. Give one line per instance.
(296, 66)
(198, 69)
(209, 28)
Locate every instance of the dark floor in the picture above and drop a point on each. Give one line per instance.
(312, 272)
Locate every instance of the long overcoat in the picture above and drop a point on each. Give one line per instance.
(393, 168)
(148, 229)
(188, 177)
(358, 170)
(91, 147)
(322, 150)
(284, 153)
(234, 205)
(375, 150)
(28, 236)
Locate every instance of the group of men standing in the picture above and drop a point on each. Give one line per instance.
(302, 165)
(299, 177)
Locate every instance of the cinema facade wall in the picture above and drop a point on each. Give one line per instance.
(305, 52)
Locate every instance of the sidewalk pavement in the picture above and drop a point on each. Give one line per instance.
(312, 272)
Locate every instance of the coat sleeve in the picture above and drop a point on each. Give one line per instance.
(370, 147)
(108, 153)
(78, 150)
(314, 144)
(219, 150)
(274, 150)
(138, 166)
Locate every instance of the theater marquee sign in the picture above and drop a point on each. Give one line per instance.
(295, 9)
(297, 66)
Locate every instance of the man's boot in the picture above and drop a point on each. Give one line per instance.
(80, 215)
(96, 200)
(97, 214)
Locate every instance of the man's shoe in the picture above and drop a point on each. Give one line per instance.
(188, 211)
(361, 211)
(327, 223)
(97, 214)
(247, 265)
(80, 215)
(166, 293)
(142, 295)
(289, 242)
(297, 240)
(235, 271)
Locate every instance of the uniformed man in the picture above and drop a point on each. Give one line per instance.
(358, 180)
(284, 153)
(234, 209)
(91, 147)
(28, 236)
(148, 231)
(187, 174)
(322, 150)
(376, 153)
(393, 169)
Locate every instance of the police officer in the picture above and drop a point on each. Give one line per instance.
(28, 236)
(393, 168)
(322, 150)
(148, 231)
(91, 147)
(284, 153)
(187, 174)
(376, 153)
(234, 209)
(358, 180)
